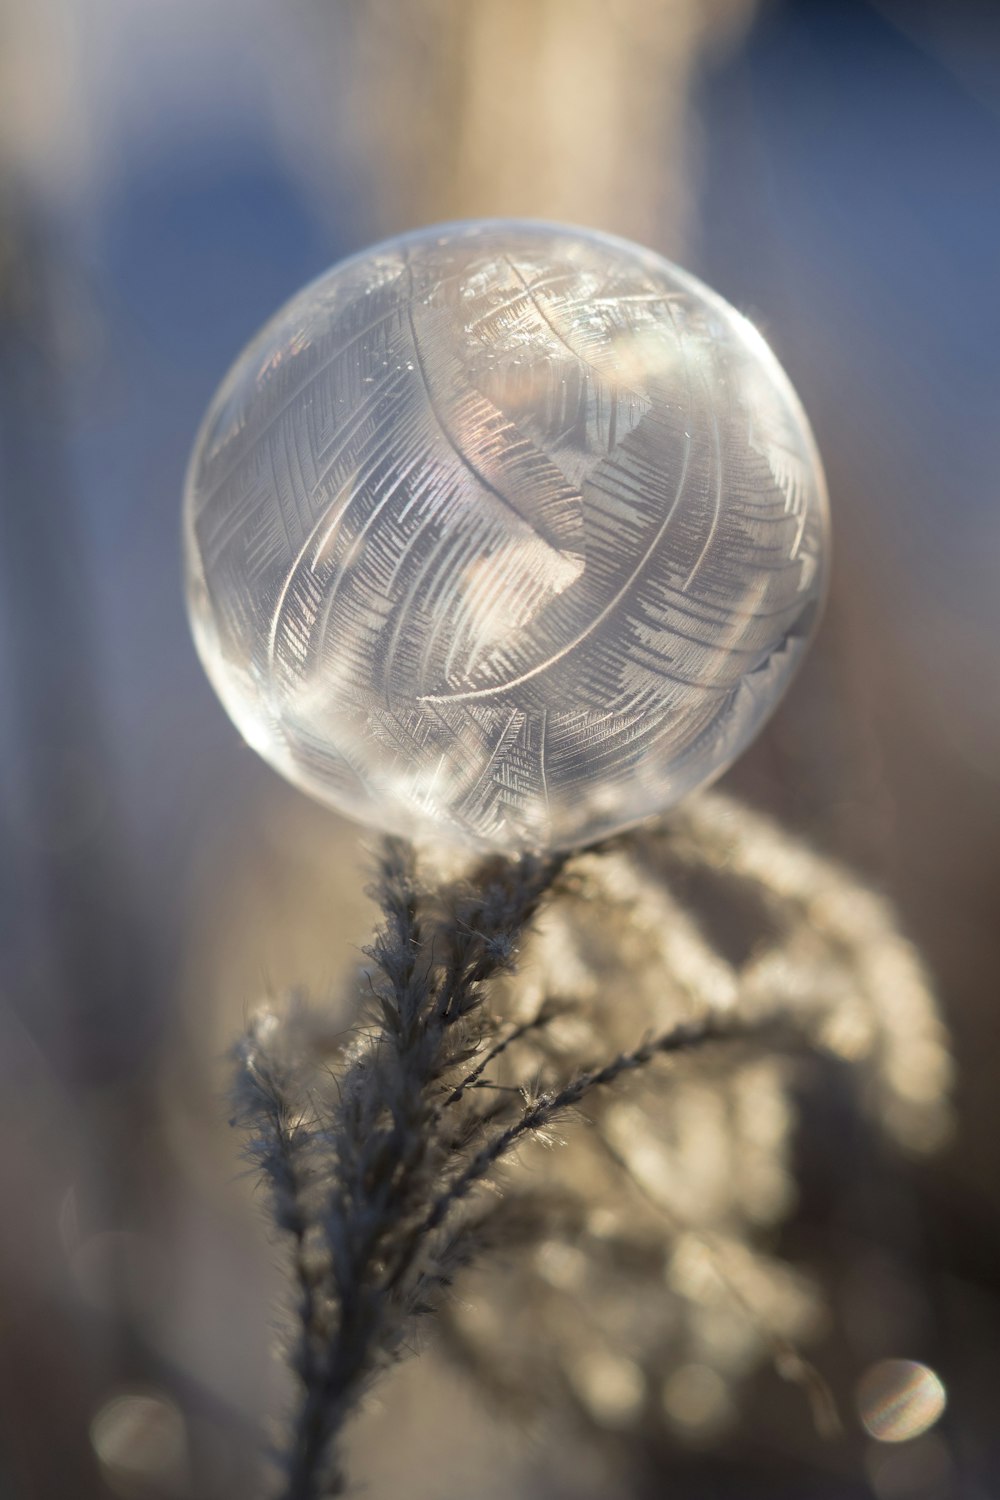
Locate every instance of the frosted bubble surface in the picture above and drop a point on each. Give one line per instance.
(504, 531)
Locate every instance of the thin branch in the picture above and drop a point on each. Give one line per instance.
(542, 1019)
(384, 1128)
(543, 1110)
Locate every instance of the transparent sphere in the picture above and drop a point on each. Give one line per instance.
(506, 532)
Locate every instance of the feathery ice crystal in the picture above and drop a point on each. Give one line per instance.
(507, 530)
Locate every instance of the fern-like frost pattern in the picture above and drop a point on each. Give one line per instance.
(504, 531)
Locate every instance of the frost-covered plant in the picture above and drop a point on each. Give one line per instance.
(578, 1013)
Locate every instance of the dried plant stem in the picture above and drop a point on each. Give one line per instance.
(542, 1113)
(384, 1145)
(376, 1167)
(518, 1034)
(548, 1107)
(367, 1179)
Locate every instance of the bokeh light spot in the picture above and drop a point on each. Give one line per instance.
(898, 1399)
(140, 1440)
(696, 1400)
(611, 1387)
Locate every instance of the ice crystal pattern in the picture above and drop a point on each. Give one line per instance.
(505, 530)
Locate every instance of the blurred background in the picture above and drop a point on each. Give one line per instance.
(170, 172)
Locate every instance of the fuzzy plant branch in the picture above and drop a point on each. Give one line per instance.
(386, 1166)
(547, 1108)
(355, 1169)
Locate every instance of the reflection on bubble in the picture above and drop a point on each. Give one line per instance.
(898, 1399)
(140, 1439)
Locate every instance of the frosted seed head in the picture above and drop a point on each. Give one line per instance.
(506, 532)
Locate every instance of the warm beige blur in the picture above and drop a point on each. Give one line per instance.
(573, 110)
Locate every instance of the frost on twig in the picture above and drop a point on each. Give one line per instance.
(498, 1005)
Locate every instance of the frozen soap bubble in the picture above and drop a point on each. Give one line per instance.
(505, 532)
